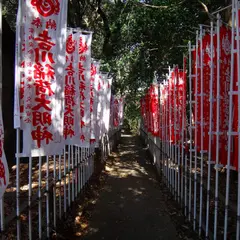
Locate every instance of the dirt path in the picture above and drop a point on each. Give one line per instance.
(131, 204)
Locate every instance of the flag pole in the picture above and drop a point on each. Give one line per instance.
(210, 135)
(230, 133)
(191, 129)
(217, 128)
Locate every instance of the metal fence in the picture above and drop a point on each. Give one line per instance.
(192, 185)
(44, 188)
(207, 189)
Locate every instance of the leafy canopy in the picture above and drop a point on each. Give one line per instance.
(136, 39)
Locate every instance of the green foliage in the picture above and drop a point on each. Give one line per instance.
(135, 39)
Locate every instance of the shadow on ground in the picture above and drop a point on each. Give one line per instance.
(131, 205)
(126, 201)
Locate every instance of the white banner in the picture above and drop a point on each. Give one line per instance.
(107, 83)
(100, 99)
(19, 67)
(71, 91)
(84, 71)
(94, 99)
(4, 172)
(45, 58)
(121, 110)
(112, 111)
(116, 112)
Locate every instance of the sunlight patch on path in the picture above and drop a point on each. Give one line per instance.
(120, 169)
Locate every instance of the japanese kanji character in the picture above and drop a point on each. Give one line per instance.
(69, 80)
(27, 120)
(43, 55)
(50, 74)
(82, 95)
(70, 70)
(69, 111)
(68, 120)
(44, 42)
(41, 134)
(69, 90)
(82, 138)
(41, 118)
(69, 100)
(68, 131)
(37, 22)
(93, 70)
(42, 103)
(51, 24)
(82, 86)
(82, 58)
(83, 124)
(81, 69)
(83, 47)
(38, 72)
(82, 112)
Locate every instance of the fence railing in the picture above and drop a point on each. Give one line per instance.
(187, 181)
(47, 188)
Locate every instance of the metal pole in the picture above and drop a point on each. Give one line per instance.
(17, 72)
(202, 123)
(218, 128)
(54, 193)
(164, 131)
(79, 169)
(182, 110)
(69, 178)
(230, 124)
(60, 186)
(210, 134)
(76, 171)
(238, 66)
(65, 182)
(191, 128)
(40, 199)
(196, 133)
(73, 177)
(170, 141)
(47, 199)
(30, 198)
(175, 129)
(179, 170)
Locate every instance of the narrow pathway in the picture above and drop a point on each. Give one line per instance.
(131, 205)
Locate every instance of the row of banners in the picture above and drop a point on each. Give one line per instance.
(61, 97)
(164, 107)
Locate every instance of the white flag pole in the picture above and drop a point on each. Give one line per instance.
(217, 128)
(17, 74)
(202, 123)
(2, 199)
(196, 133)
(230, 133)
(210, 134)
(191, 130)
(238, 66)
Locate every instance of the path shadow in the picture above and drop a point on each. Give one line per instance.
(131, 205)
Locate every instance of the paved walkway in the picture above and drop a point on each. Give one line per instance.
(131, 205)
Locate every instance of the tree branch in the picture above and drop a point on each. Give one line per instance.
(105, 23)
(206, 9)
(159, 6)
(204, 6)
